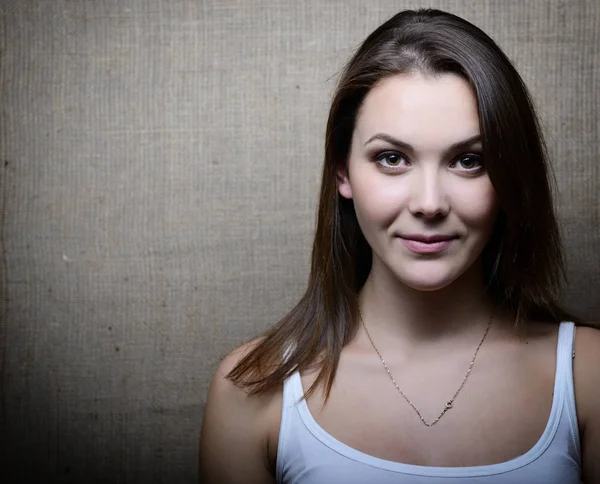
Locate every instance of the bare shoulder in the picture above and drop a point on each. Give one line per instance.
(586, 369)
(586, 375)
(232, 359)
(236, 442)
(222, 387)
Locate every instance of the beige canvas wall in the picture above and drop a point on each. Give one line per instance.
(160, 162)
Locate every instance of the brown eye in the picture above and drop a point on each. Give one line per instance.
(470, 162)
(390, 159)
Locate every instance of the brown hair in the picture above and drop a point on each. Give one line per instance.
(523, 261)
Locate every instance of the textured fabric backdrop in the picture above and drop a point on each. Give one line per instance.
(160, 163)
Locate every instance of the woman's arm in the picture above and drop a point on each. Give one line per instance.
(587, 392)
(234, 436)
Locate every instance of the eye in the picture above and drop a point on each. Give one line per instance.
(469, 162)
(390, 159)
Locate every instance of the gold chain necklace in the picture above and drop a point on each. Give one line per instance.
(450, 402)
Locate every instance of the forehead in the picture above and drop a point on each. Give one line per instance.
(427, 112)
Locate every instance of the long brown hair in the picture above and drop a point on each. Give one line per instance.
(523, 261)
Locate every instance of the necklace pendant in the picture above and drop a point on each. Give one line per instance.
(449, 404)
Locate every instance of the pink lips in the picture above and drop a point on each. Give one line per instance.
(427, 244)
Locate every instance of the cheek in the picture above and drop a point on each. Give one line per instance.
(477, 204)
(377, 201)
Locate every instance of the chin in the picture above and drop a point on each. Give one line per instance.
(426, 275)
(427, 286)
(428, 281)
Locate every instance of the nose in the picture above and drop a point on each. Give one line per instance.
(428, 196)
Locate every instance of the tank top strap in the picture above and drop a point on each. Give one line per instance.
(566, 337)
(287, 415)
(565, 353)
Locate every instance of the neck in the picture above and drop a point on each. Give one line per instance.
(400, 313)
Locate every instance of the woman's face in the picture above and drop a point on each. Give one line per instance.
(415, 174)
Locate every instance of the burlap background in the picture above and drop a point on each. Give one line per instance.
(160, 162)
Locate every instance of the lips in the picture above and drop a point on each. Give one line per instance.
(428, 239)
(427, 244)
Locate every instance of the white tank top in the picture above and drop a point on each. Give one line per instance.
(307, 454)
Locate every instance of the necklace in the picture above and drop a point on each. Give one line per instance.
(450, 402)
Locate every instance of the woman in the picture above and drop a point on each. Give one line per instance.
(429, 345)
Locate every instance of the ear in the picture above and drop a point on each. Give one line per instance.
(343, 182)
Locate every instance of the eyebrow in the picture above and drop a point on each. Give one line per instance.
(405, 146)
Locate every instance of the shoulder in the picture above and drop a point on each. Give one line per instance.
(231, 396)
(237, 423)
(231, 360)
(586, 375)
(586, 371)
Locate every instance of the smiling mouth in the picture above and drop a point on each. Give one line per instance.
(428, 239)
(421, 244)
